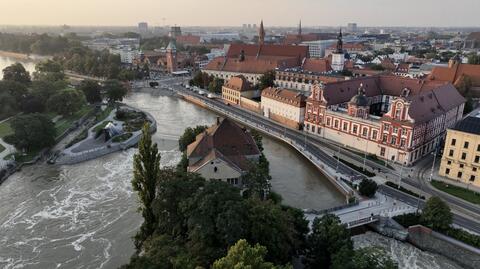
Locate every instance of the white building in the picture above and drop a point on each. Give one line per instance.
(317, 48)
(284, 106)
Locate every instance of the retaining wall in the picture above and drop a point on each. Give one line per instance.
(426, 239)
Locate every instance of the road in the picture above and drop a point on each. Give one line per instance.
(314, 145)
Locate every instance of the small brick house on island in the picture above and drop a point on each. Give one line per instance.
(223, 152)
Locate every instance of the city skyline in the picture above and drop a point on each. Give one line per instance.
(426, 13)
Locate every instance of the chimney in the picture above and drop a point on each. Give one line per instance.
(218, 120)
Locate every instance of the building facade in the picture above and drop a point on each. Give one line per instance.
(461, 154)
(223, 152)
(394, 118)
(284, 106)
(236, 89)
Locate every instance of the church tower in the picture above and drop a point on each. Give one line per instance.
(300, 29)
(171, 57)
(261, 34)
(338, 57)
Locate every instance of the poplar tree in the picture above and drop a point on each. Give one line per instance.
(146, 164)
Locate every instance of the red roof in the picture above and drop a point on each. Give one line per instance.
(188, 39)
(238, 83)
(288, 97)
(299, 52)
(455, 73)
(317, 65)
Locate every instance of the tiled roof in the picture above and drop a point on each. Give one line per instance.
(239, 83)
(299, 52)
(456, 72)
(428, 98)
(316, 65)
(296, 39)
(226, 138)
(288, 97)
(252, 65)
(469, 125)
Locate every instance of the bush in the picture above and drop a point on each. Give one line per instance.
(402, 189)
(368, 187)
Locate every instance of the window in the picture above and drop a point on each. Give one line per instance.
(464, 155)
(395, 130)
(454, 141)
(402, 142)
(447, 171)
(336, 124)
(462, 165)
(365, 132)
(313, 129)
(328, 121)
(478, 148)
(465, 145)
(318, 130)
(472, 178)
(474, 169)
(384, 138)
(459, 175)
(450, 153)
(404, 131)
(477, 159)
(374, 134)
(449, 162)
(393, 140)
(345, 126)
(355, 129)
(382, 151)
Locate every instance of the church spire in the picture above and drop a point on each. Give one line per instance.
(261, 34)
(340, 42)
(300, 28)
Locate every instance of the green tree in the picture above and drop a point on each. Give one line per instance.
(244, 256)
(92, 91)
(474, 58)
(368, 187)
(32, 131)
(146, 164)
(257, 179)
(16, 72)
(436, 214)
(66, 102)
(189, 136)
(15, 89)
(8, 105)
(327, 238)
(215, 85)
(115, 90)
(49, 71)
(266, 80)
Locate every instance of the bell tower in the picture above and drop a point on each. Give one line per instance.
(261, 34)
(338, 57)
(171, 56)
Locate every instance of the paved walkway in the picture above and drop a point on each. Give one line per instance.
(8, 149)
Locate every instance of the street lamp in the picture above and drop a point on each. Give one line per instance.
(433, 164)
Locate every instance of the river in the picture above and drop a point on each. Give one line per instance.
(84, 215)
(29, 64)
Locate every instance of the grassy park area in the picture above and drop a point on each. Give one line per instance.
(465, 194)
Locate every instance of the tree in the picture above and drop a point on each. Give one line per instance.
(16, 72)
(189, 136)
(244, 256)
(368, 187)
(266, 80)
(49, 71)
(92, 91)
(474, 58)
(8, 105)
(328, 237)
(257, 180)
(436, 214)
(215, 85)
(146, 164)
(115, 90)
(32, 131)
(45, 89)
(15, 89)
(66, 102)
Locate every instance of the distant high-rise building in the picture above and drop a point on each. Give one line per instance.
(175, 31)
(143, 27)
(352, 27)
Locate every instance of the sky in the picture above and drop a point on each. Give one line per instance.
(235, 13)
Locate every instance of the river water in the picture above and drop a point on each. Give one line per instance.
(29, 64)
(84, 215)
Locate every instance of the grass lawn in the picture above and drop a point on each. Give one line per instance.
(66, 122)
(467, 195)
(5, 129)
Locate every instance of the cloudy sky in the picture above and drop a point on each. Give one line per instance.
(237, 12)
